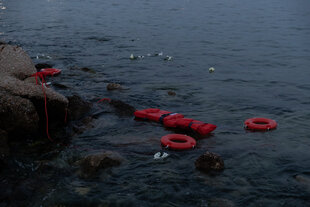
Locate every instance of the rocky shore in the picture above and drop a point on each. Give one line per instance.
(23, 104)
(22, 101)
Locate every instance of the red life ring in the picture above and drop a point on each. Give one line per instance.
(50, 71)
(178, 141)
(260, 124)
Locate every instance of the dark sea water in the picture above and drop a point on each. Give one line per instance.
(261, 54)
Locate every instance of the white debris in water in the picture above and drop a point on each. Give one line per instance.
(168, 58)
(160, 156)
(159, 54)
(211, 70)
(132, 57)
(43, 56)
(47, 83)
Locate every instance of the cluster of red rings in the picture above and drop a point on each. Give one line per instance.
(176, 120)
(182, 142)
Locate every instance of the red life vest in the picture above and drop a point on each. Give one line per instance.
(175, 120)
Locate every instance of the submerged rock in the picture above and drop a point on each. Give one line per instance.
(122, 108)
(88, 70)
(94, 162)
(77, 107)
(220, 202)
(305, 180)
(171, 93)
(209, 162)
(114, 86)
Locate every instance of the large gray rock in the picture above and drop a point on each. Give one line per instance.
(15, 67)
(17, 114)
(21, 97)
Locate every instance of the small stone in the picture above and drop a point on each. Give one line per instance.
(113, 86)
(220, 202)
(82, 190)
(171, 93)
(209, 162)
(88, 70)
(94, 162)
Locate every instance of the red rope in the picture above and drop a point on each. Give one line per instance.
(41, 75)
(104, 99)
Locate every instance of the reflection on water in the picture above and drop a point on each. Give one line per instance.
(260, 51)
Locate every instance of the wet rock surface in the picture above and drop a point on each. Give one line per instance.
(122, 108)
(92, 163)
(209, 162)
(77, 107)
(17, 114)
(4, 147)
(25, 100)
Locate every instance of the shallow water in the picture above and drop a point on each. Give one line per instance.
(260, 51)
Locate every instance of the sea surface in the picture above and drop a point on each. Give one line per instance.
(261, 54)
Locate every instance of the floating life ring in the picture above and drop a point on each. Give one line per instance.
(260, 124)
(50, 71)
(178, 141)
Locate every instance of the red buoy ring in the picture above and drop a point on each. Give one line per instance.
(260, 124)
(50, 71)
(178, 141)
